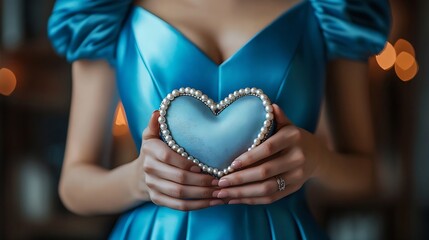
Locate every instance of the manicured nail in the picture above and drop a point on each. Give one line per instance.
(215, 182)
(222, 194)
(223, 183)
(216, 202)
(236, 164)
(195, 169)
(215, 193)
(234, 202)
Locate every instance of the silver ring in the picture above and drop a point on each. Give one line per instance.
(281, 183)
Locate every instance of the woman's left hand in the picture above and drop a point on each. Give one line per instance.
(292, 154)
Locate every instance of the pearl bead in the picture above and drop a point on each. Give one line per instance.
(264, 130)
(162, 112)
(184, 154)
(175, 93)
(249, 149)
(231, 96)
(168, 138)
(163, 126)
(247, 90)
(198, 93)
(269, 116)
(204, 168)
(267, 123)
(171, 143)
(166, 101)
(269, 108)
(260, 135)
(241, 91)
(204, 98)
(180, 150)
(165, 132)
(190, 158)
(256, 141)
(215, 171)
(187, 89)
(236, 94)
(264, 97)
(225, 171)
(175, 147)
(196, 161)
(220, 174)
(161, 119)
(266, 103)
(222, 103)
(209, 170)
(253, 90)
(230, 169)
(259, 92)
(253, 146)
(209, 101)
(218, 106)
(213, 107)
(192, 91)
(182, 90)
(200, 165)
(163, 107)
(170, 97)
(227, 101)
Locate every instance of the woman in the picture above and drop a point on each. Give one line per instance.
(144, 50)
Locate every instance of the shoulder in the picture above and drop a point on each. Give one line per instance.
(86, 29)
(354, 29)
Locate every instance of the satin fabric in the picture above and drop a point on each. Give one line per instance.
(286, 59)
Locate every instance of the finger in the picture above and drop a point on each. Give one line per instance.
(280, 117)
(291, 188)
(284, 138)
(175, 190)
(279, 163)
(152, 129)
(177, 175)
(256, 189)
(183, 205)
(158, 149)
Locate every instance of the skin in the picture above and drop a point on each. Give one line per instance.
(160, 175)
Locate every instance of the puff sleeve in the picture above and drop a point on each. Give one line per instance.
(87, 29)
(354, 29)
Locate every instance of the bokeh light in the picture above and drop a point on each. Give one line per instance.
(403, 69)
(386, 59)
(120, 126)
(7, 81)
(403, 45)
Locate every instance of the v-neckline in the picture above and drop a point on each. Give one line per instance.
(236, 52)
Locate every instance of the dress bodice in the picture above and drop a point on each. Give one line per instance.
(287, 59)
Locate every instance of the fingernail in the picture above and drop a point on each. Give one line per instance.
(215, 182)
(234, 202)
(195, 169)
(216, 202)
(236, 164)
(223, 183)
(222, 194)
(215, 193)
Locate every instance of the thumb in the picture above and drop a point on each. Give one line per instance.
(280, 117)
(152, 129)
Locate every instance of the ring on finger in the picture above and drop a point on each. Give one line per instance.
(281, 183)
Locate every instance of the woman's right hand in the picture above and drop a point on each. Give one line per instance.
(169, 179)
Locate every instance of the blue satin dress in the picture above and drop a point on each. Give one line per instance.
(287, 59)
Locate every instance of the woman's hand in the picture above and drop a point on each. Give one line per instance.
(291, 153)
(168, 178)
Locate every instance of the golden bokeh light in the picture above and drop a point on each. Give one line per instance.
(403, 45)
(120, 126)
(387, 58)
(7, 81)
(407, 74)
(405, 61)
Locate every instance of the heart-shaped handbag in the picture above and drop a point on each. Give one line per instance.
(213, 134)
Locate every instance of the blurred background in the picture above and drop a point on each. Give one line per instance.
(35, 87)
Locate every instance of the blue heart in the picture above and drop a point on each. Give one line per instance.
(215, 140)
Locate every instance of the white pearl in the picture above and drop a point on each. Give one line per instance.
(168, 138)
(166, 101)
(241, 91)
(182, 90)
(225, 171)
(269, 108)
(209, 170)
(205, 168)
(192, 91)
(247, 90)
(163, 107)
(256, 141)
(264, 130)
(171, 143)
(200, 165)
(165, 132)
(266, 103)
(259, 92)
(222, 103)
(267, 123)
(175, 93)
(163, 126)
(198, 93)
(184, 154)
(204, 98)
(162, 112)
(161, 119)
(215, 171)
(231, 96)
(190, 158)
(249, 149)
(230, 169)
(175, 147)
(227, 101)
(220, 174)
(213, 107)
(253, 146)
(253, 90)
(269, 116)
(170, 97)
(236, 94)
(187, 89)
(196, 161)
(263, 97)
(260, 135)
(209, 101)
(180, 150)
(218, 106)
